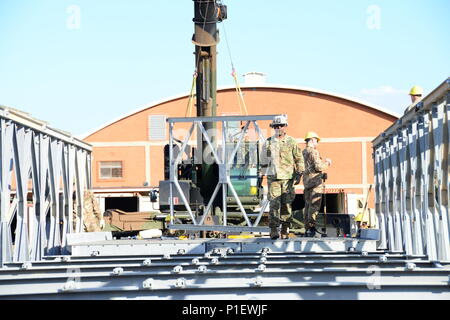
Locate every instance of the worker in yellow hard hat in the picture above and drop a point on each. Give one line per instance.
(416, 94)
(313, 180)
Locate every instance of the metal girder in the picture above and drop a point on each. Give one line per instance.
(230, 276)
(202, 246)
(40, 168)
(411, 160)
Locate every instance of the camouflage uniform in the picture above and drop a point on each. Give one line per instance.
(92, 214)
(313, 182)
(283, 161)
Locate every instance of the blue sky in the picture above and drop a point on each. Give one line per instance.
(81, 63)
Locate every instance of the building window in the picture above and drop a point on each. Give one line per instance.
(157, 127)
(111, 169)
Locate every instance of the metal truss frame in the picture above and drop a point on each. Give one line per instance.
(50, 165)
(412, 179)
(224, 161)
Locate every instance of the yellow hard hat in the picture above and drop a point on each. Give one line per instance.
(312, 134)
(416, 90)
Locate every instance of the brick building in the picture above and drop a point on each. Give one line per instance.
(128, 152)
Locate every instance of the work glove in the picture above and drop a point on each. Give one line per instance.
(297, 178)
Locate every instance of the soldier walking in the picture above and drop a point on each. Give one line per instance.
(313, 180)
(283, 164)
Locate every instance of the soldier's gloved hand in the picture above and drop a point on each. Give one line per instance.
(297, 178)
(102, 223)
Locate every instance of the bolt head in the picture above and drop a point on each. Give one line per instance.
(147, 262)
(148, 283)
(202, 269)
(180, 283)
(410, 266)
(258, 282)
(118, 271)
(177, 269)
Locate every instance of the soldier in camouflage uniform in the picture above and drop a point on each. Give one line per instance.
(92, 218)
(313, 182)
(282, 162)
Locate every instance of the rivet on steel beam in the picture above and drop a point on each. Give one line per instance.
(383, 258)
(410, 266)
(364, 253)
(258, 282)
(177, 269)
(118, 271)
(147, 283)
(261, 268)
(66, 259)
(180, 283)
(215, 261)
(147, 262)
(263, 260)
(182, 251)
(230, 251)
(263, 254)
(26, 266)
(166, 256)
(195, 261)
(265, 250)
(216, 251)
(202, 269)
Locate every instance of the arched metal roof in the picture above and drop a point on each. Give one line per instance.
(261, 86)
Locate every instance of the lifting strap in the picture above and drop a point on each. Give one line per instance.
(239, 94)
(191, 96)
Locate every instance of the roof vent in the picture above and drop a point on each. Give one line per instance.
(254, 78)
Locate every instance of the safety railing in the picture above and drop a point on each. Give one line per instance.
(411, 161)
(43, 175)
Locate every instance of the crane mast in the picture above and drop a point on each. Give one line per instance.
(207, 13)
